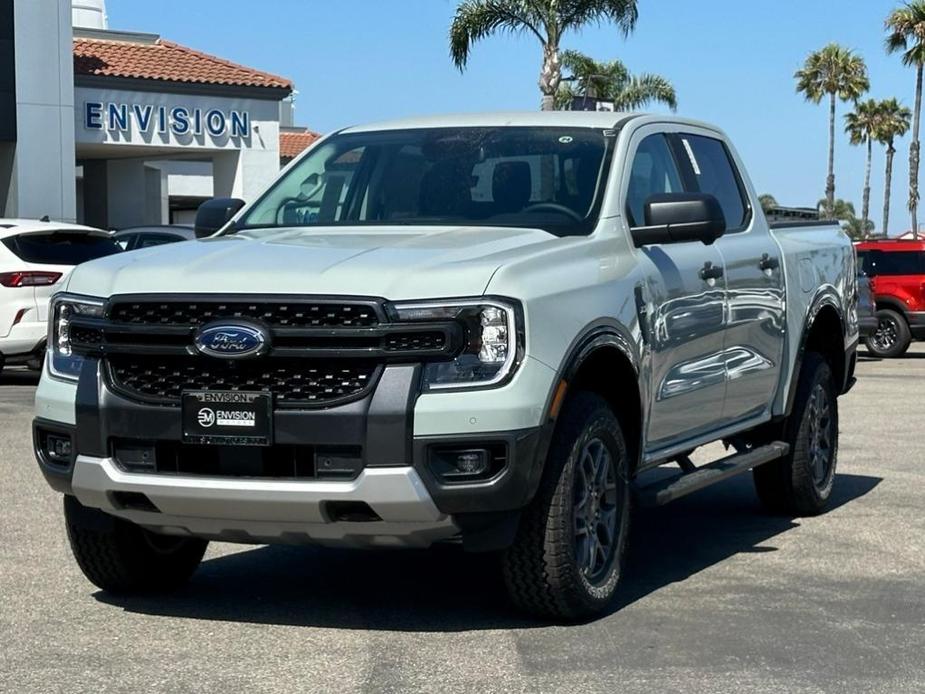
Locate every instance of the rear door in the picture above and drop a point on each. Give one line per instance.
(755, 292)
(682, 307)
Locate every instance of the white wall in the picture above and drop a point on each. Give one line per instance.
(43, 170)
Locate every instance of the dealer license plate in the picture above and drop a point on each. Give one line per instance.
(226, 417)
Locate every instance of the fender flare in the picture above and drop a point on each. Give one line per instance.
(891, 302)
(600, 334)
(826, 297)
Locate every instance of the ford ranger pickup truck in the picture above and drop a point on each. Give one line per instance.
(484, 329)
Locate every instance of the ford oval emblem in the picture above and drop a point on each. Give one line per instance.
(230, 341)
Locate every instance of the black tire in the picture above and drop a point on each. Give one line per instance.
(892, 337)
(800, 484)
(121, 557)
(542, 569)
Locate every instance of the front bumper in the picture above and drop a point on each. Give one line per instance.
(867, 325)
(267, 511)
(414, 506)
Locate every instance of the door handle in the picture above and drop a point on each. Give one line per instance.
(709, 271)
(768, 263)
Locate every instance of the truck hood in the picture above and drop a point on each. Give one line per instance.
(406, 263)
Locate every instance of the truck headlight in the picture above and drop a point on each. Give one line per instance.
(493, 340)
(62, 362)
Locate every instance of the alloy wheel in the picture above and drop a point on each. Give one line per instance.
(821, 436)
(886, 335)
(595, 511)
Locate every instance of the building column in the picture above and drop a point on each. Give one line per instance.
(42, 175)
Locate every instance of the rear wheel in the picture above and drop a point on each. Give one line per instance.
(566, 560)
(801, 482)
(121, 557)
(892, 337)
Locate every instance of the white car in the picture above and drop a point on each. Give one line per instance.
(35, 259)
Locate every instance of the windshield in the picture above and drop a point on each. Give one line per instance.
(547, 178)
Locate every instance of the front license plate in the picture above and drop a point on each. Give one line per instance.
(227, 418)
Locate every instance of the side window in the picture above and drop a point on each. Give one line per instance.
(899, 263)
(654, 171)
(715, 174)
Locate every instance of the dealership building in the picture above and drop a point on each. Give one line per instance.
(117, 129)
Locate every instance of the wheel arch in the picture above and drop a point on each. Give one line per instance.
(824, 332)
(604, 360)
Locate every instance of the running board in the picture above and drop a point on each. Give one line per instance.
(672, 488)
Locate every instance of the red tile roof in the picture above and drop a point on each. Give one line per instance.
(166, 61)
(292, 144)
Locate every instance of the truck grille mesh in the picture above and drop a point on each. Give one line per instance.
(294, 382)
(274, 314)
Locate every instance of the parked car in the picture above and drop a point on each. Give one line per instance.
(482, 329)
(134, 238)
(35, 259)
(896, 269)
(868, 322)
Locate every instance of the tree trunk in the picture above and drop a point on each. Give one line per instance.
(830, 179)
(914, 155)
(865, 206)
(888, 188)
(551, 76)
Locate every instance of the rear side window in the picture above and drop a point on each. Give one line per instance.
(894, 263)
(61, 247)
(715, 173)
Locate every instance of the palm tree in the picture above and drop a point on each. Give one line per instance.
(842, 210)
(861, 126)
(837, 72)
(768, 202)
(547, 20)
(857, 229)
(611, 81)
(906, 33)
(893, 123)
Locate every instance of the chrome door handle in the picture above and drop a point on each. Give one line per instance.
(768, 263)
(709, 271)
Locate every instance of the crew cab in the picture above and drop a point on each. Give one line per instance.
(488, 330)
(896, 268)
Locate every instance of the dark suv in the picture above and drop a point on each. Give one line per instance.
(896, 269)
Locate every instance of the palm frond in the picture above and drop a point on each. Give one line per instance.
(478, 19)
(643, 90)
(576, 13)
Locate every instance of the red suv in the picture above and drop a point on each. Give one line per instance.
(896, 269)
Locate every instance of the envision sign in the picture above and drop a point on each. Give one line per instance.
(179, 120)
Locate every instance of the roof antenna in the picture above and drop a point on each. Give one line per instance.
(46, 218)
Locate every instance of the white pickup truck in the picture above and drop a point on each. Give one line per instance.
(478, 329)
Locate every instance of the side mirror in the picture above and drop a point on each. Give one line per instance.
(681, 217)
(213, 214)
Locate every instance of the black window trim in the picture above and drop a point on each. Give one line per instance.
(690, 178)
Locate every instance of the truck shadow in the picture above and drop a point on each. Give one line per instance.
(19, 376)
(446, 590)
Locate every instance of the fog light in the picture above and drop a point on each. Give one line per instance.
(463, 464)
(472, 462)
(58, 449)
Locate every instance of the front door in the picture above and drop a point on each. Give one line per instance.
(682, 307)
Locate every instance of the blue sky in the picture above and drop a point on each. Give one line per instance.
(732, 62)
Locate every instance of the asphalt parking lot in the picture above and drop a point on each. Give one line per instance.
(718, 597)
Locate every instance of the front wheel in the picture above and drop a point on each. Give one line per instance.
(801, 482)
(892, 337)
(566, 560)
(121, 557)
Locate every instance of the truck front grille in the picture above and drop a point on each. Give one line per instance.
(285, 314)
(293, 382)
